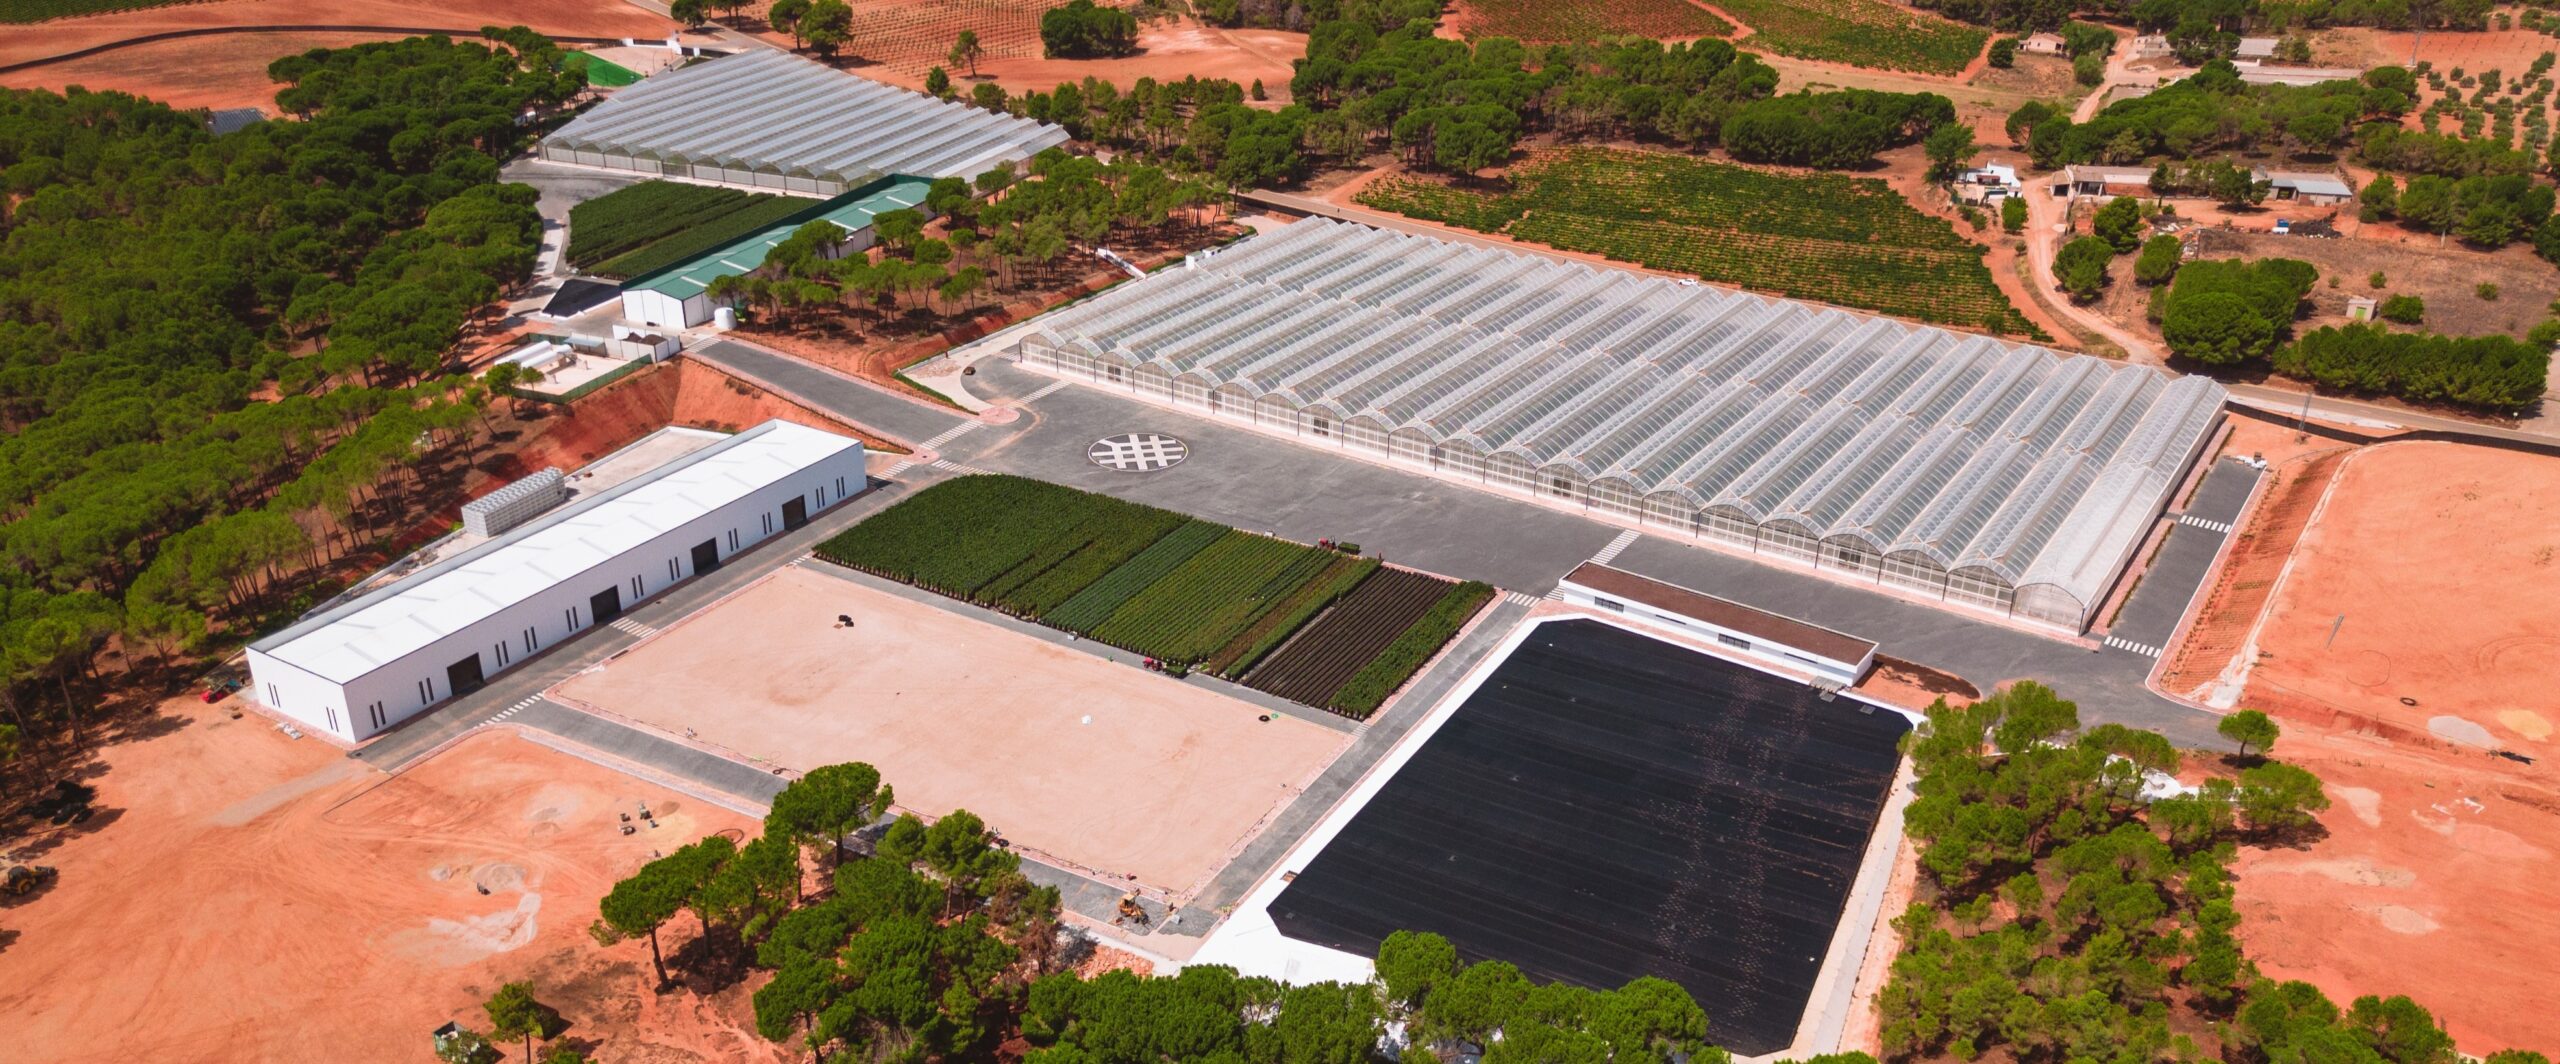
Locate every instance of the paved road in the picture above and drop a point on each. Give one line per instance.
(1301, 492)
(906, 420)
(2289, 403)
(2151, 616)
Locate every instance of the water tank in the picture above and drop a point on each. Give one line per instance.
(724, 318)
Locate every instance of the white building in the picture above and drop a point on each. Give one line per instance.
(364, 666)
(679, 296)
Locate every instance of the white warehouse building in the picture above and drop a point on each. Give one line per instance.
(361, 667)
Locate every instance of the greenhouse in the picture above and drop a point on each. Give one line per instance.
(772, 120)
(1990, 475)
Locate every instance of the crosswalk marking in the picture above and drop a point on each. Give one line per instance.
(955, 467)
(1520, 598)
(2206, 524)
(947, 435)
(1616, 546)
(511, 710)
(2144, 649)
(897, 469)
(1044, 392)
(1556, 594)
(626, 624)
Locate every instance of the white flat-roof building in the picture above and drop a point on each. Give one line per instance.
(359, 668)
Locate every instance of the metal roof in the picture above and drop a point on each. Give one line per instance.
(776, 113)
(2021, 464)
(851, 212)
(450, 596)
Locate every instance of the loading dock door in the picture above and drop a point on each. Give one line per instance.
(463, 677)
(605, 605)
(795, 513)
(706, 556)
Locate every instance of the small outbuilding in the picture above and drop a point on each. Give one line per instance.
(2306, 186)
(2047, 43)
(357, 669)
(2103, 182)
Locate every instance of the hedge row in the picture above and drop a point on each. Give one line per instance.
(1285, 617)
(1198, 607)
(1375, 682)
(1096, 604)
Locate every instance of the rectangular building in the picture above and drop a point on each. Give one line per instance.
(357, 669)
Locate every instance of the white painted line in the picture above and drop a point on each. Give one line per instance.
(1044, 392)
(2144, 649)
(947, 435)
(1616, 546)
(2208, 525)
(1520, 598)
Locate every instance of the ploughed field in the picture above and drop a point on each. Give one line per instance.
(1310, 624)
(1848, 241)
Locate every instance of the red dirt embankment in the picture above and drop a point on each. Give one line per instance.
(683, 392)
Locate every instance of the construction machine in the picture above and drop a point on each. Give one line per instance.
(18, 880)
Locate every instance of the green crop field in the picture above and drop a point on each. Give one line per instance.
(1183, 591)
(657, 224)
(1590, 20)
(601, 72)
(1850, 241)
(40, 10)
(1194, 610)
(1864, 33)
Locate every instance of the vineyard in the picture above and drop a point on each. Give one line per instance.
(1849, 241)
(41, 10)
(1863, 33)
(674, 237)
(909, 36)
(1302, 622)
(1588, 20)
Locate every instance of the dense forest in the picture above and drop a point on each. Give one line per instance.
(218, 353)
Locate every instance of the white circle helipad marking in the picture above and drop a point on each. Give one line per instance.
(1138, 452)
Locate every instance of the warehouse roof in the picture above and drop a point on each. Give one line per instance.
(776, 113)
(2308, 182)
(852, 212)
(1965, 450)
(405, 617)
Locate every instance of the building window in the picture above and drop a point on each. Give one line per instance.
(528, 640)
(1320, 426)
(375, 711)
(673, 573)
(572, 614)
(733, 540)
(332, 712)
(1737, 644)
(839, 487)
(635, 589)
(1609, 604)
(1562, 487)
(502, 653)
(272, 701)
(768, 523)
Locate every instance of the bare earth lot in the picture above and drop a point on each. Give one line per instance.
(245, 897)
(2444, 561)
(1094, 766)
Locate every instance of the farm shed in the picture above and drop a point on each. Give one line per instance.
(1756, 635)
(357, 669)
(679, 296)
(770, 120)
(2306, 186)
(1955, 468)
(2104, 182)
(2043, 44)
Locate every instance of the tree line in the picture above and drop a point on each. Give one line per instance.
(2068, 916)
(934, 945)
(2221, 16)
(220, 355)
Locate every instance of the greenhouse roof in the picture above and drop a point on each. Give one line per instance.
(2012, 460)
(773, 112)
(852, 211)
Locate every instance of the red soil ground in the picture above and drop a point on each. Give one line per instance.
(2437, 880)
(917, 37)
(231, 71)
(683, 392)
(2301, 469)
(2444, 561)
(243, 896)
